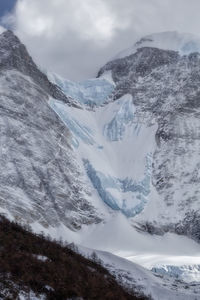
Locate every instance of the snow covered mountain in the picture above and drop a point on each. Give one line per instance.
(138, 139)
(110, 163)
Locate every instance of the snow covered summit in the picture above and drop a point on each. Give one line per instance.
(184, 43)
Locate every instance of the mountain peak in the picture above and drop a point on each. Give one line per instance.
(184, 43)
(9, 36)
(14, 55)
(8, 42)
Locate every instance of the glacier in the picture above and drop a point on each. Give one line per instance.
(82, 132)
(187, 273)
(133, 194)
(94, 143)
(125, 195)
(115, 129)
(89, 92)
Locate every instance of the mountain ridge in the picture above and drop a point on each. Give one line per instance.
(35, 146)
(15, 56)
(184, 43)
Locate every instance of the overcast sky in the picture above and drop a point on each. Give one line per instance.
(76, 37)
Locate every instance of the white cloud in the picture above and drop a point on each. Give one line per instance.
(2, 29)
(76, 37)
(90, 19)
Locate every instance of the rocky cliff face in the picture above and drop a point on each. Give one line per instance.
(40, 181)
(165, 87)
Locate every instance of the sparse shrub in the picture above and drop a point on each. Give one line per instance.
(64, 273)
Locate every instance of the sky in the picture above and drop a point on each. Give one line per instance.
(74, 38)
(6, 6)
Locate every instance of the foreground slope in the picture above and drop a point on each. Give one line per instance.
(35, 268)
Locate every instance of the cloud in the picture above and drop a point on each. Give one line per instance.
(2, 29)
(90, 19)
(76, 37)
